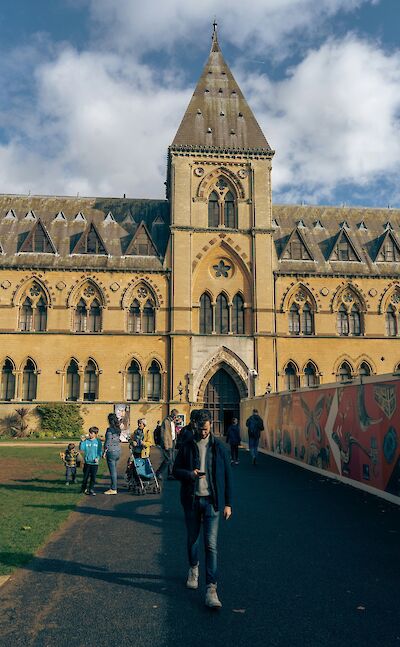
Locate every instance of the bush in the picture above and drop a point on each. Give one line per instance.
(60, 420)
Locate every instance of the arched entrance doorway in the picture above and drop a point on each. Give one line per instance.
(222, 398)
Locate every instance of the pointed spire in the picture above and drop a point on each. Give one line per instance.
(214, 38)
(218, 115)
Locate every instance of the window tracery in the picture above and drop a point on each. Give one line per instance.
(142, 311)
(88, 309)
(33, 309)
(349, 315)
(301, 314)
(222, 205)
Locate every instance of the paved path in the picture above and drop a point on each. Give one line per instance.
(304, 561)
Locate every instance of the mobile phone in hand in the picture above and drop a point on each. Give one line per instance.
(201, 473)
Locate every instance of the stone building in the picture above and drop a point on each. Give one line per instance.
(204, 298)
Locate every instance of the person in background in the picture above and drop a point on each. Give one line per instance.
(71, 459)
(92, 452)
(254, 426)
(112, 450)
(187, 432)
(167, 445)
(202, 465)
(234, 440)
(140, 441)
(157, 434)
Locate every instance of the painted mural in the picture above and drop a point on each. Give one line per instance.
(351, 430)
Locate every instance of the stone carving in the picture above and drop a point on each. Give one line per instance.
(395, 298)
(114, 286)
(347, 297)
(35, 290)
(300, 296)
(61, 285)
(372, 292)
(142, 292)
(324, 292)
(243, 173)
(89, 291)
(6, 284)
(221, 269)
(199, 171)
(222, 356)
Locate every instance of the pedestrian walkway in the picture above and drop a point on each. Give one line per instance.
(303, 561)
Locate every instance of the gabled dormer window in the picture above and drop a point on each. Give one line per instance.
(343, 249)
(296, 248)
(389, 250)
(38, 241)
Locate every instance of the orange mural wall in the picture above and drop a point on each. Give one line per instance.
(350, 431)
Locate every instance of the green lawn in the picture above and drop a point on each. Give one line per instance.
(34, 501)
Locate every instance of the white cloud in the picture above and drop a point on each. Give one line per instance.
(260, 24)
(334, 120)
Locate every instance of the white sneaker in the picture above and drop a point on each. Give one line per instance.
(192, 581)
(111, 491)
(212, 600)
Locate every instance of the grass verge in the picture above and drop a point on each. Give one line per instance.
(34, 501)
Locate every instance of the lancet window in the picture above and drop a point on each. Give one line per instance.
(301, 314)
(292, 381)
(142, 311)
(8, 381)
(90, 381)
(154, 390)
(311, 377)
(222, 205)
(133, 382)
(344, 372)
(88, 310)
(33, 309)
(73, 381)
(392, 315)
(349, 316)
(29, 381)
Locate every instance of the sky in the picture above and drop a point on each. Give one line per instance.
(93, 91)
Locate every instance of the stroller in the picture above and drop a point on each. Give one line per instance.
(140, 476)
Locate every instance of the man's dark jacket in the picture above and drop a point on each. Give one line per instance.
(218, 468)
(255, 425)
(185, 434)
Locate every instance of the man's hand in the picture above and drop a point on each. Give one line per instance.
(198, 474)
(227, 512)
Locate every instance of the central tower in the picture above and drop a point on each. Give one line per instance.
(219, 186)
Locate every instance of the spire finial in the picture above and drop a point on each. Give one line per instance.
(215, 46)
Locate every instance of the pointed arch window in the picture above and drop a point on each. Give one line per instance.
(26, 315)
(291, 377)
(154, 382)
(206, 315)
(222, 315)
(148, 318)
(294, 320)
(230, 211)
(8, 381)
(133, 382)
(344, 373)
(90, 382)
(29, 381)
(73, 381)
(222, 205)
(343, 321)
(349, 316)
(213, 210)
(40, 316)
(238, 315)
(365, 370)
(311, 377)
(355, 321)
(80, 316)
(94, 323)
(134, 319)
(307, 320)
(391, 321)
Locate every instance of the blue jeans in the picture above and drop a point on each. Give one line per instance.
(70, 474)
(203, 511)
(253, 447)
(112, 460)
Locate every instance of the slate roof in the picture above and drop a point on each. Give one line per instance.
(20, 214)
(218, 115)
(365, 227)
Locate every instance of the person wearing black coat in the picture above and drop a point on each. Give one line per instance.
(234, 440)
(203, 468)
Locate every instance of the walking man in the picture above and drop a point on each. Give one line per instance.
(167, 444)
(254, 426)
(202, 465)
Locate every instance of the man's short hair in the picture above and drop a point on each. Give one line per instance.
(194, 415)
(255, 410)
(174, 412)
(93, 430)
(203, 415)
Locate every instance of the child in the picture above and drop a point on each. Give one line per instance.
(71, 459)
(91, 446)
(140, 442)
(233, 438)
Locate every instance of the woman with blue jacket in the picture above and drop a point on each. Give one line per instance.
(112, 450)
